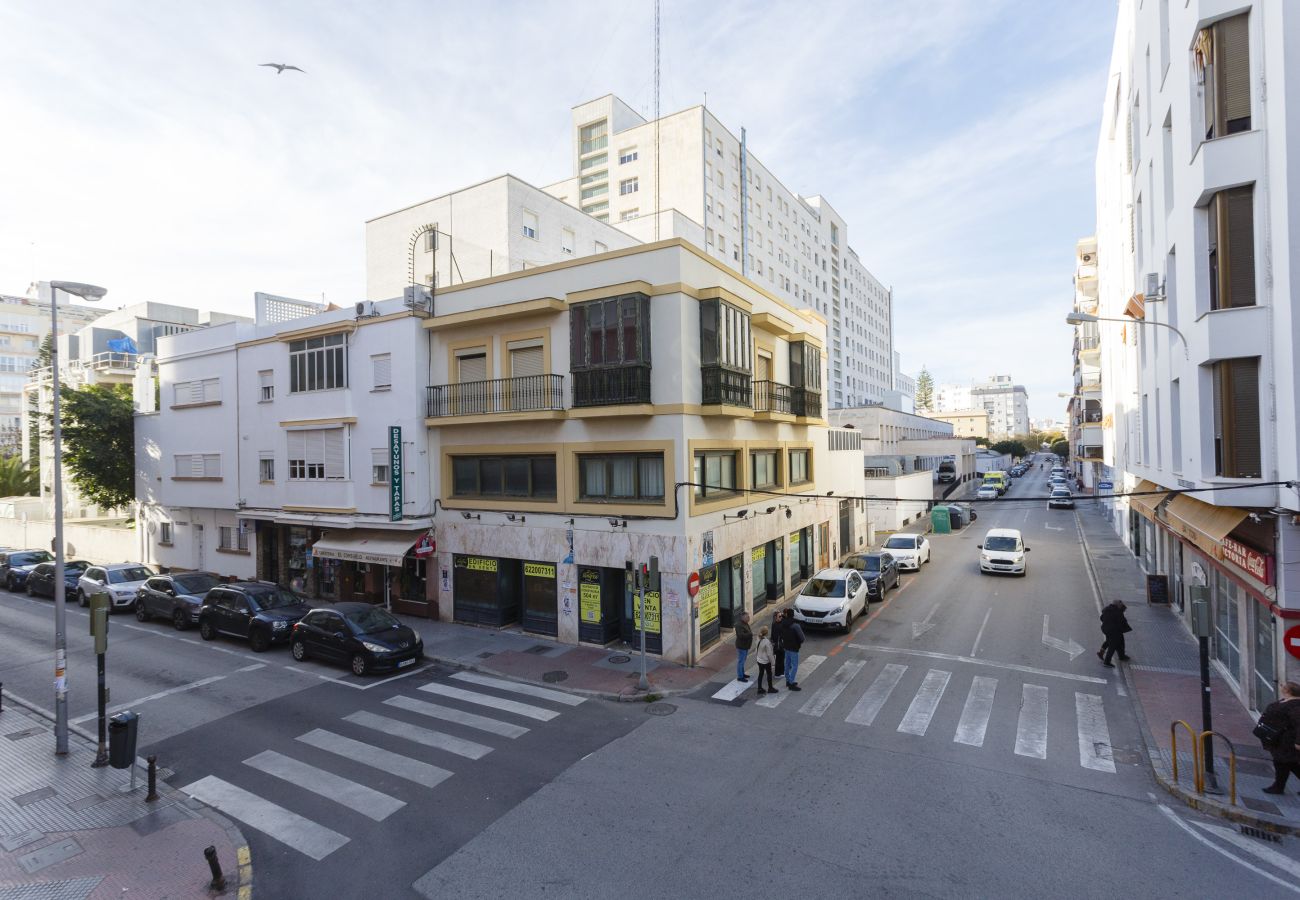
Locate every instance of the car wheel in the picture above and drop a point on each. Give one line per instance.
(359, 664)
(28, 588)
(141, 614)
(848, 621)
(206, 631)
(259, 641)
(299, 650)
(82, 601)
(9, 583)
(180, 619)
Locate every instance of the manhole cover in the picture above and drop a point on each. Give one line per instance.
(556, 676)
(618, 659)
(661, 709)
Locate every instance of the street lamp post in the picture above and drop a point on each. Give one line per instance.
(85, 292)
(1080, 318)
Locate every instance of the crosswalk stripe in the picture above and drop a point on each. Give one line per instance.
(1094, 735)
(868, 707)
(460, 717)
(732, 689)
(422, 773)
(425, 736)
(517, 687)
(1031, 730)
(274, 821)
(370, 803)
(819, 702)
(806, 667)
(510, 706)
(921, 710)
(975, 714)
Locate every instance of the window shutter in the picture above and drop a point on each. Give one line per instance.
(332, 451)
(379, 457)
(1243, 456)
(1238, 205)
(196, 465)
(525, 362)
(182, 465)
(383, 370)
(473, 368)
(764, 369)
(211, 465)
(1233, 78)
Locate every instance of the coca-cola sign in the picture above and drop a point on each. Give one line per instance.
(1252, 561)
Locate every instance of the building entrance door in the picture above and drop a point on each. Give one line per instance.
(846, 527)
(600, 604)
(541, 607)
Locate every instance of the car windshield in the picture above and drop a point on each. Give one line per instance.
(75, 567)
(196, 584)
(371, 621)
(274, 598)
(824, 587)
(865, 563)
(1060, 493)
(30, 559)
(1001, 543)
(134, 573)
(901, 542)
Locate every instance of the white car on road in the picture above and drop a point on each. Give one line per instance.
(1003, 550)
(987, 492)
(911, 551)
(832, 597)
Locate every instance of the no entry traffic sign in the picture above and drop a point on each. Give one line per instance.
(1292, 640)
(693, 584)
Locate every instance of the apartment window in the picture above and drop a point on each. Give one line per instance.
(530, 223)
(593, 137)
(725, 337)
(379, 465)
(431, 241)
(593, 178)
(627, 214)
(627, 155)
(763, 469)
(164, 532)
(266, 466)
(611, 332)
(628, 186)
(1176, 424)
(503, 476)
(1223, 59)
(198, 465)
(800, 468)
(230, 537)
(621, 476)
(318, 364)
(189, 393)
(1232, 248)
(567, 241)
(595, 208)
(381, 369)
(592, 162)
(1236, 418)
(317, 455)
(266, 382)
(715, 473)
(1146, 431)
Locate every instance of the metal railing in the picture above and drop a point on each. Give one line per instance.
(527, 393)
(611, 385)
(1202, 746)
(773, 397)
(807, 403)
(725, 387)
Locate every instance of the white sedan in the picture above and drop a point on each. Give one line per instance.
(987, 492)
(832, 597)
(910, 550)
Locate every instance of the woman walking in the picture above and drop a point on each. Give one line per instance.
(1282, 719)
(763, 656)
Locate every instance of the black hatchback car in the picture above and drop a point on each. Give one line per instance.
(41, 580)
(363, 637)
(261, 611)
(880, 571)
(177, 598)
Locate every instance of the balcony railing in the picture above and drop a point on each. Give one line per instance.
(773, 397)
(725, 387)
(807, 403)
(1090, 452)
(611, 386)
(529, 393)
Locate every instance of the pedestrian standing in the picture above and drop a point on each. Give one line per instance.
(744, 640)
(1282, 718)
(763, 656)
(793, 641)
(778, 643)
(1114, 625)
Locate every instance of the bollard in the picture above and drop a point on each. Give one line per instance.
(218, 879)
(153, 780)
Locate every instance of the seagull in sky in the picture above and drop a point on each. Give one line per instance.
(280, 67)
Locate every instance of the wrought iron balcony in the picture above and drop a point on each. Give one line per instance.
(773, 397)
(611, 385)
(529, 393)
(807, 403)
(725, 387)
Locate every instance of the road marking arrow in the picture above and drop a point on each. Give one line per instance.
(1070, 647)
(1053, 528)
(920, 628)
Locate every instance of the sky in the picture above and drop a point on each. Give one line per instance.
(145, 149)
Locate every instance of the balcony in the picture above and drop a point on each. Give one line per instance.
(807, 403)
(1090, 453)
(611, 386)
(527, 397)
(725, 387)
(773, 398)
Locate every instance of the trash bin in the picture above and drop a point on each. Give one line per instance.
(955, 514)
(122, 730)
(940, 522)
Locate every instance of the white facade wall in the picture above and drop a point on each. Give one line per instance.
(883, 429)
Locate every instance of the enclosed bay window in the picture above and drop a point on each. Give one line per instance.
(317, 455)
(609, 350)
(1222, 55)
(318, 364)
(502, 477)
(1232, 248)
(715, 473)
(621, 476)
(1236, 418)
(806, 378)
(726, 353)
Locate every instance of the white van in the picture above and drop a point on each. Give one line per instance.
(1003, 550)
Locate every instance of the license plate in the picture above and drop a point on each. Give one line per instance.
(405, 662)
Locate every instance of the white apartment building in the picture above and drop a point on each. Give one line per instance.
(705, 178)
(1006, 403)
(952, 398)
(579, 415)
(1199, 379)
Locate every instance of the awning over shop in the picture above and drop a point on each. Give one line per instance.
(384, 548)
(1145, 503)
(1204, 525)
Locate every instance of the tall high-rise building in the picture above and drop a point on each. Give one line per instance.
(1006, 403)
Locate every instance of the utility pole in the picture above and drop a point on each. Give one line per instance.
(99, 609)
(1201, 628)
(657, 206)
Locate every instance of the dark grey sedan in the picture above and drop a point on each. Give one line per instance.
(176, 598)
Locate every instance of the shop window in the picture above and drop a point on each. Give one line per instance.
(504, 476)
(1227, 628)
(621, 476)
(715, 473)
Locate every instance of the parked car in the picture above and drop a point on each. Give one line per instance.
(175, 597)
(363, 637)
(988, 492)
(16, 565)
(910, 551)
(261, 611)
(1060, 499)
(832, 598)
(1003, 550)
(41, 580)
(122, 581)
(1058, 484)
(879, 570)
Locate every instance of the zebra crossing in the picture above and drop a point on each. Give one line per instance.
(936, 689)
(426, 750)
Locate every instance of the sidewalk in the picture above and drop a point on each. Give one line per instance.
(1165, 681)
(68, 831)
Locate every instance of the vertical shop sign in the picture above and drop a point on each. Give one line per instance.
(395, 473)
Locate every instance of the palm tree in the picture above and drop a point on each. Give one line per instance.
(17, 479)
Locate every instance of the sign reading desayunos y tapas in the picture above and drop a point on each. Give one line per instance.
(395, 473)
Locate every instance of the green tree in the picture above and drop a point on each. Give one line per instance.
(1061, 449)
(17, 479)
(99, 442)
(34, 431)
(1012, 448)
(981, 442)
(925, 390)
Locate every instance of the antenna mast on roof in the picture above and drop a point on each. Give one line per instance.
(657, 207)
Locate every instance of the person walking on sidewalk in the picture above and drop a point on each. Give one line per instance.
(744, 640)
(778, 643)
(1114, 625)
(763, 656)
(793, 641)
(1283, 717)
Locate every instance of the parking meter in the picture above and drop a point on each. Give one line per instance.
(1200, 610)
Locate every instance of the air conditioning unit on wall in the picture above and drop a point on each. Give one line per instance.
(365, 308)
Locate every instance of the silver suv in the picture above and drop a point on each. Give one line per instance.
(122, 581)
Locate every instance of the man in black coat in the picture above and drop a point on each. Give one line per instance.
(778, 643)
(1114, 625)
(793, 640)
(1284, 715)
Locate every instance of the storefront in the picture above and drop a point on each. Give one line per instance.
(707, 601)
(601, 600)
(367, 566)
(541, 599)
(768, 572)
(731, 590)
(485, 590)
(654, 639)
(801, 556)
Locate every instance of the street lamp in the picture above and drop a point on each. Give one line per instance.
(1081, 318)
(85, 292)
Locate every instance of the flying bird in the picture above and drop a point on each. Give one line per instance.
(280, 67)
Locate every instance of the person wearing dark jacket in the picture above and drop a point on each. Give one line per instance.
(1284, 715)
(793, 640)
(1114, 625)
(778, 642)
(744, 640)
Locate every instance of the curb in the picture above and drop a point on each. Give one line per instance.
(241, 885)
(1155, 760)
(625, 696)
